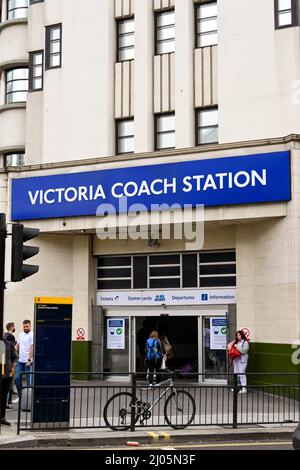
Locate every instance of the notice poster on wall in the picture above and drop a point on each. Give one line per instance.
(218, 333)
(116, 333)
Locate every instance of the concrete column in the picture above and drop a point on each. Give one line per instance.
(81, 286)
(143, 80)
(184, 74)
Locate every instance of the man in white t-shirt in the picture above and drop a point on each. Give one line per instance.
(24, 348)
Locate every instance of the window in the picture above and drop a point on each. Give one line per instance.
(125, 33)
(164, 271)
(207, 126)
(286, 13)
(165, 32)
(53, 46)
(17, 9)
(14, 159)
(114, 272)
(167, 270)
(16, 85)
(36, 70)
(217, 269)
(206, 24)
(165, 131)
(125, 136)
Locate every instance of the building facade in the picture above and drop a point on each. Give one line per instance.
(161, 101)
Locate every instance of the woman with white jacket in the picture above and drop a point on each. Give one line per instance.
(240, 363)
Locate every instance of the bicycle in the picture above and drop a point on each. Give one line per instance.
(179, 408)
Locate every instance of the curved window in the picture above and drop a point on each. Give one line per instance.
(14, 159)
(17, 9)
(16, 85)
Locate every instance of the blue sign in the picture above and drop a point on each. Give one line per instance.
(213, 182)
(219, 322)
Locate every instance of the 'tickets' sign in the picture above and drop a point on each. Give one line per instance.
(211, 182)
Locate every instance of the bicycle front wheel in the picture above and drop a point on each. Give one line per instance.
(180, 409)
(117, 411)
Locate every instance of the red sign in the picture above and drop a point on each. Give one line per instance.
(80, 334)
(247, 332)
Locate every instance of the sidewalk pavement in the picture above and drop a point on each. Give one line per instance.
(165, 436)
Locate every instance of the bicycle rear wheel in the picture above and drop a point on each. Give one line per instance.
(179, 409)
(117, 411)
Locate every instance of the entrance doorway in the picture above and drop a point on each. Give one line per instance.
(182, 333)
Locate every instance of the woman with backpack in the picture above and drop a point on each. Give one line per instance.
(154, 354)
(238, 352)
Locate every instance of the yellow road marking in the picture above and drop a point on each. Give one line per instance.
(154, 435)
(196, 446)
(165, 435)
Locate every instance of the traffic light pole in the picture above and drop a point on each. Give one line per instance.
(2, 283)
(2, 268)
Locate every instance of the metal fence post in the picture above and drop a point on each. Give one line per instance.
(133, 404)
(19, 406)
(235, 401)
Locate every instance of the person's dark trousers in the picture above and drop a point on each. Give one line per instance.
(152, 368)
(5, 387)
(10, 390)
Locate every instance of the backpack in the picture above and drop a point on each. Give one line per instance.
(152, 350)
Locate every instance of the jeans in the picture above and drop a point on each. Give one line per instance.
(239, 367)
(21, 367)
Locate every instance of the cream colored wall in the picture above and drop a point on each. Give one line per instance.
(268, 268)
(160, 4)
(3, 192)
(206, 76)
(164, 83)
(257, 68)
(143, 80)
(83, 285)
(79, 97)
(215, 237)
(13, 43)
(124, 89)
(12, 126)
(64, 272)
(124, 8)
(184, 74)
(267, 272)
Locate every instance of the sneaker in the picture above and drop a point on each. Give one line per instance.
(9, 407)
(16, 400)
(5, 422)
(244, 390)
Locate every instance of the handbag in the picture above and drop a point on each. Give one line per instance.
(163, 363)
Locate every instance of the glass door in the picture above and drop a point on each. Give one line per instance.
(214, 343)
(116, 347)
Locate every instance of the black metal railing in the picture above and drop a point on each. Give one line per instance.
(178, 401)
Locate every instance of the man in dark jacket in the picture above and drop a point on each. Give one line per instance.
(11, 359)
(9, 336)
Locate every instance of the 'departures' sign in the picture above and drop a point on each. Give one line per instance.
(213, 182)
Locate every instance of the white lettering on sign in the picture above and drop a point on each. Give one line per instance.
(241, 179)
(71, 194)
(156, 187)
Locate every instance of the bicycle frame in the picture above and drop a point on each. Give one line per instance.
(170, 386)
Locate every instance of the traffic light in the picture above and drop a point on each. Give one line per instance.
(21, 252)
